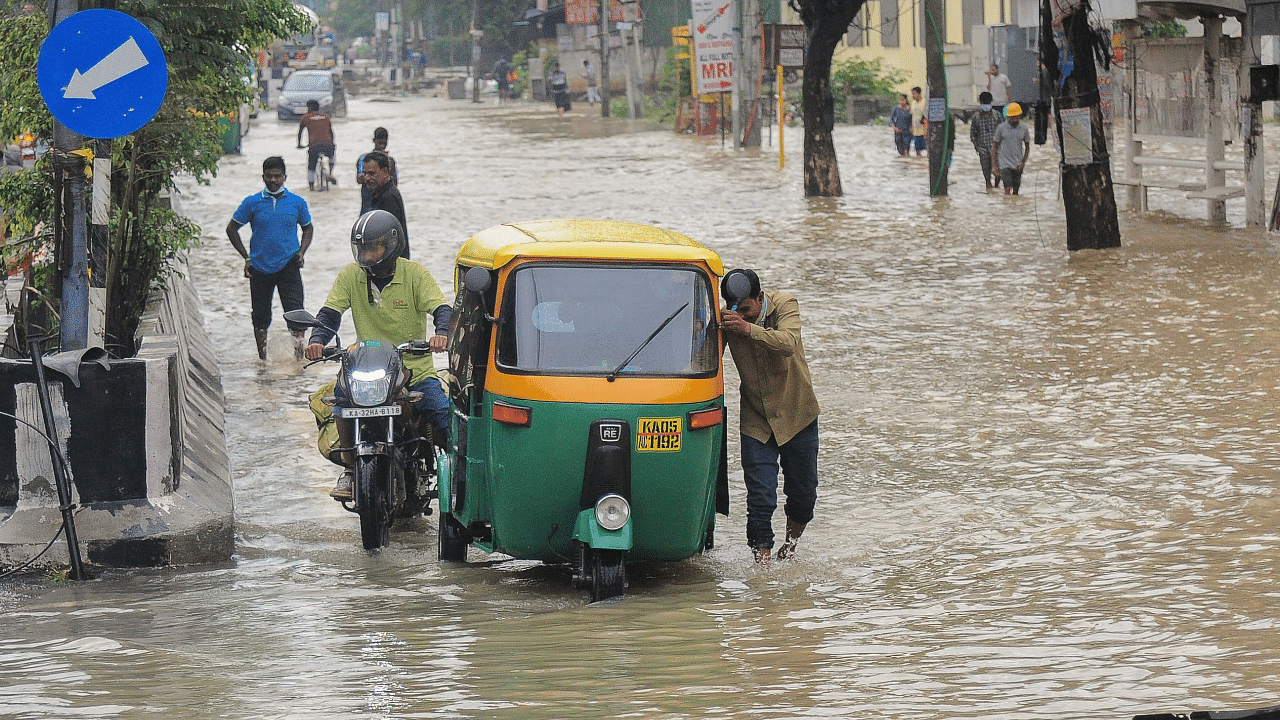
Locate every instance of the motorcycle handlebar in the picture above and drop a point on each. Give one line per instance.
(415, 346)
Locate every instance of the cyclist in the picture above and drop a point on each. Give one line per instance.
(319, 141)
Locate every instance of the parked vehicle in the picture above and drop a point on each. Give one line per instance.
(394, 469)
(303, 85)
(588, 399)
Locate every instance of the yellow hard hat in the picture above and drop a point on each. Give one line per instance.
(1012, 110)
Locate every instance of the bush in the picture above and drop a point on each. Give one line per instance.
(863, 77)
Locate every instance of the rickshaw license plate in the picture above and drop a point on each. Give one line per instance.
(380, 411)
(658, 434)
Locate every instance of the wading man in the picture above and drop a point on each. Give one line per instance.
(779, 414)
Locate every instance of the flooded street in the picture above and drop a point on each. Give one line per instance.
(1048, 480)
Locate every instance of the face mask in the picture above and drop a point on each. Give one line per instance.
(986, 108)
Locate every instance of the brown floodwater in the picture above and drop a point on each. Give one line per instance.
(1048, 480)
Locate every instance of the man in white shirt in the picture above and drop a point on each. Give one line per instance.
(999, 86)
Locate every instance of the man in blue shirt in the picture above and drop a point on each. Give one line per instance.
(274, 260)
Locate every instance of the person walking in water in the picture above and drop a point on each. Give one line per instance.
(1010, 149)
(273, 262)
(900, 120)
(559, 83)
(589, 72)
(919, 123)
(366, 189)
(982, 130)
(779, 414)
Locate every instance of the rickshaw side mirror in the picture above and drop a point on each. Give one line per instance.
(736, 287)
(476, 280)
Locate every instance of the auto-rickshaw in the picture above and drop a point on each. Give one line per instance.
(587, 397)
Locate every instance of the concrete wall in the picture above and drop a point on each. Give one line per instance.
(145, 444)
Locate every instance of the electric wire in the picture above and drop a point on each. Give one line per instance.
(66, 466)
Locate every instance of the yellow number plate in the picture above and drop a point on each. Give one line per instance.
(659, 435)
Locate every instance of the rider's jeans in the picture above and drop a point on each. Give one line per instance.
(434, 405)
(799, 459)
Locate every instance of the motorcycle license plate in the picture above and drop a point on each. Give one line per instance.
(380, 411)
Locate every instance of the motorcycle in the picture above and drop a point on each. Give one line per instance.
(394, 457)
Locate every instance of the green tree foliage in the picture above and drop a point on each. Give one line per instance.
(208, 46)
(1166, 29)
(863, 77)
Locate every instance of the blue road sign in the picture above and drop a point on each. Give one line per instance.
(102, 73)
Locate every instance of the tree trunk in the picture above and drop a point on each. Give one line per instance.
(821, 171)
(1087, 193)
(826, 22)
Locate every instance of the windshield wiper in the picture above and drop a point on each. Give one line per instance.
(614, 375)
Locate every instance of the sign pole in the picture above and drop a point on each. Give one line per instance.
(70, 231)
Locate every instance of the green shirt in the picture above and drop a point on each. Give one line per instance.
(397, 314)
(777, 392)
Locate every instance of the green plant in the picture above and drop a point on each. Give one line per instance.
(1166, 29)
(863, 77)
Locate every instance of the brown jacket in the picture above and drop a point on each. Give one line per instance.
(777, 392)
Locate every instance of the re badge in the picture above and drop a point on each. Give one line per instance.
(659, 435)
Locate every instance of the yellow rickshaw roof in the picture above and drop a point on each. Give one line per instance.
(597, 239)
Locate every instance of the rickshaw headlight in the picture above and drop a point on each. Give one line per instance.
(370, 387)
(613, 512)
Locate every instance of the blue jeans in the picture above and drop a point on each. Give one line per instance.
(434, 406)
(799, 459)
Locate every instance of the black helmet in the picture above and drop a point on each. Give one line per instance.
(375, 242)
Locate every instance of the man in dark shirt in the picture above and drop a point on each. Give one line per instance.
(386, 196)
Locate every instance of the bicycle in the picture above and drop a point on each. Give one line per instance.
(324, 170)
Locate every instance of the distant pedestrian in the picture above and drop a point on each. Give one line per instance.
(900, 119)
(589, 72)
(386, 196)
(500, 71)
(982, 129)
(273, 262)
(999, 86)
(319, 140)
(919, 122)
(1010, 149)
(560, 89)
(366, 190)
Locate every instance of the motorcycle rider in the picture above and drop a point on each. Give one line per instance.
(389, 298)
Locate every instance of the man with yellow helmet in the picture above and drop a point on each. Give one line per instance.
(1010, 148)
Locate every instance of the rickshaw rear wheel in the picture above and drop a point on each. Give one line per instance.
(372, 502)
(608, 574)
(451, 545)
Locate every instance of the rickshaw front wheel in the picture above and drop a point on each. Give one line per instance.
(608, 574)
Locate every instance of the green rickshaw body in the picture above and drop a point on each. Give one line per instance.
(534, 481)
(587, 393)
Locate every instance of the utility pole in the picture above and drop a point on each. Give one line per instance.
(1088, 196)
(750, 62)
(476, 34)
(940, 134)
(604, 58)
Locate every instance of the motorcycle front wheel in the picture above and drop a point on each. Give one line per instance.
(373, 502)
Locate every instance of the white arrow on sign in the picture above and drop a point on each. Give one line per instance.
(122, 61)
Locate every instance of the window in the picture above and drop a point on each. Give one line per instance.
(889, 23)
(587, 320)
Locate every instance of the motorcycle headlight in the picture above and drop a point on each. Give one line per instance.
(613, 512)
(370, 387)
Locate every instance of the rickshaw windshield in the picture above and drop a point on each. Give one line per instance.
(587, 319)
